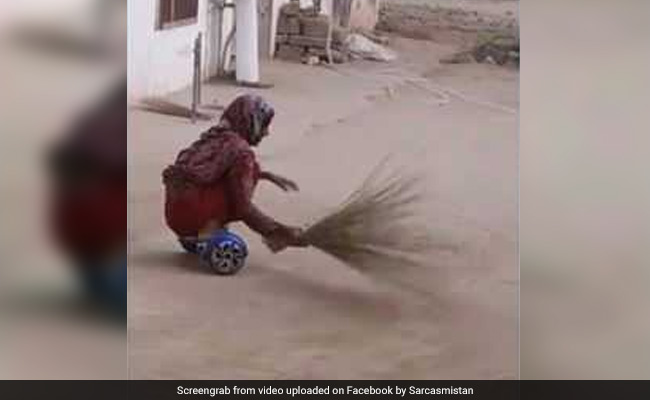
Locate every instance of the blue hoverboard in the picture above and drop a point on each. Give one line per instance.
(224, 252)
(107, 284)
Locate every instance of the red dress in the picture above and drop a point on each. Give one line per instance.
(88, 203)
(213, 180)
(91, 220)
(189, 208)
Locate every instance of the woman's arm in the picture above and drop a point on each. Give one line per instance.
(241, 180)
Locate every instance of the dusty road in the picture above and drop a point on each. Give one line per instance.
(303, 315)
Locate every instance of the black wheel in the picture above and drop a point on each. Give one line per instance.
(225, 256)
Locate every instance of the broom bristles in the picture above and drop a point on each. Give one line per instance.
(377, 222)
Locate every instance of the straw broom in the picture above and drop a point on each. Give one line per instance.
(165, 107)
(378, 222)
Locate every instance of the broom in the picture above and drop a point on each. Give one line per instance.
(165, 107)
(378, 222)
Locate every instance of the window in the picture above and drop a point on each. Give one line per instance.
(173, 13)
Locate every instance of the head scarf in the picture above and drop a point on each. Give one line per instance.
(248, 115)
(244, 122)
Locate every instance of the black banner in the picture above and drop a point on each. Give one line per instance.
(327, 389)
(162, 390)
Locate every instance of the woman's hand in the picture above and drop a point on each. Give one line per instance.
(284, 237)
(283, 183)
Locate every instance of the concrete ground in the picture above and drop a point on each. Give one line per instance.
(301, 314)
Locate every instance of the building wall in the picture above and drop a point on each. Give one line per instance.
(364, 14)
(161, 61)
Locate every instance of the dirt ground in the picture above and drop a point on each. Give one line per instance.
(450, 21)
(301, 314)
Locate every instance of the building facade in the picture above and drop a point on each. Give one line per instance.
(162, 34)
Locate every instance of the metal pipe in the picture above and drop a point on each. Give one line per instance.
(196, 78)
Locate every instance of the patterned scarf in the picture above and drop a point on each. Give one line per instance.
(244, 123)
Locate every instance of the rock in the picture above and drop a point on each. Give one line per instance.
(498, 50)
(363, 47)
(382, 40)
(311, 60)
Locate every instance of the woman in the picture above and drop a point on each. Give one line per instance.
(211, 183)
(88, 206)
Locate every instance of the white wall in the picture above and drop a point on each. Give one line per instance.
(364, 14)
(161, 61)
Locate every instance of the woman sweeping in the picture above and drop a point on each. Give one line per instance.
(211, 184)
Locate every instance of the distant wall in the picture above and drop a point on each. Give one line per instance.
(364, 14)
(356, 14)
